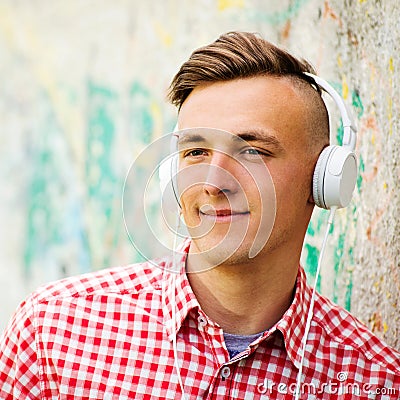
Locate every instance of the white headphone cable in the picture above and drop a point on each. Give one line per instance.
(175, 271)
(311, 309)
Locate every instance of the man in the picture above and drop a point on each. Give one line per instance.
(231, 322)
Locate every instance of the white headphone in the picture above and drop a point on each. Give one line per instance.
(335, 172)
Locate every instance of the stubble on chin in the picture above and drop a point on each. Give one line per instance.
(206, 254)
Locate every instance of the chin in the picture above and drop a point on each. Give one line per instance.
(225, 253)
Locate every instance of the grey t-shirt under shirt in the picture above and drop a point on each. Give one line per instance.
(237, 343)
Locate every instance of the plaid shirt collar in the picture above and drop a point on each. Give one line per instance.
(177, 292)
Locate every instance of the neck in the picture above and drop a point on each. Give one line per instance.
(246, 298)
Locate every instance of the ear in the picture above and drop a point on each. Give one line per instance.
(311, 199)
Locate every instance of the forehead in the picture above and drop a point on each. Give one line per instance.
(270, 106)
(262, 104)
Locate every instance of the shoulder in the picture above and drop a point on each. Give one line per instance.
(345, 331)
(87, 295)
(133, 278)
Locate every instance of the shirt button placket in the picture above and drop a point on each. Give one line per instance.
(225, 372)
(202, 321)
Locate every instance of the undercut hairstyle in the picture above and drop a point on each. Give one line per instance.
(238, 55)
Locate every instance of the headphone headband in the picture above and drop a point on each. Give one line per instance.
(350, 130)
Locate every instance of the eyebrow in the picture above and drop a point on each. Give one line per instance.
(195, 138)
(248, 136)
(260, 136)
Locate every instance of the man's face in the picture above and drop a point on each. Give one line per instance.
(245, 190)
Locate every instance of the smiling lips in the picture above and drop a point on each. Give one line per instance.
(221, 215)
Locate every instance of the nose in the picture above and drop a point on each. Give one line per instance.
(220, 177)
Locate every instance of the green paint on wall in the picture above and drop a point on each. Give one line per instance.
(312, 262)
(279, 17)
(38, 213)
(332, 228)
(349, 291)
(317, 223)
(361, 169)
(337, 260)
(357, 103)
(312, 259)
(310, 229)
(102, 183)
(43, 223)
(339, 134)
(141, 119)
(350, 253)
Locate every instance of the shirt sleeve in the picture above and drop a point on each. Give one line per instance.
(19, 372)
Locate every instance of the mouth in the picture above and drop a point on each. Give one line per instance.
(222, 215)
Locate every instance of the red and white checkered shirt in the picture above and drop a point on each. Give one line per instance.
(108, 335)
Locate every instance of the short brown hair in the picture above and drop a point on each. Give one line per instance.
(234, 55)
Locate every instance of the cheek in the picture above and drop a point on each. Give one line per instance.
(256, 184)
(261, 196)
(187, 199)
(293, 185)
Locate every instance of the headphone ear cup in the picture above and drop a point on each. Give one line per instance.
(167, 176)
(318, 177)
(335, 177)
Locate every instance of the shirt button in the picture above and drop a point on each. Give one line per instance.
(202, 321)
(225, 372)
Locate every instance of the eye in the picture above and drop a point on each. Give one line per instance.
(252, 151)
(195, 153)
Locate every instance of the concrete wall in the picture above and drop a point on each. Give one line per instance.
(83, 91)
